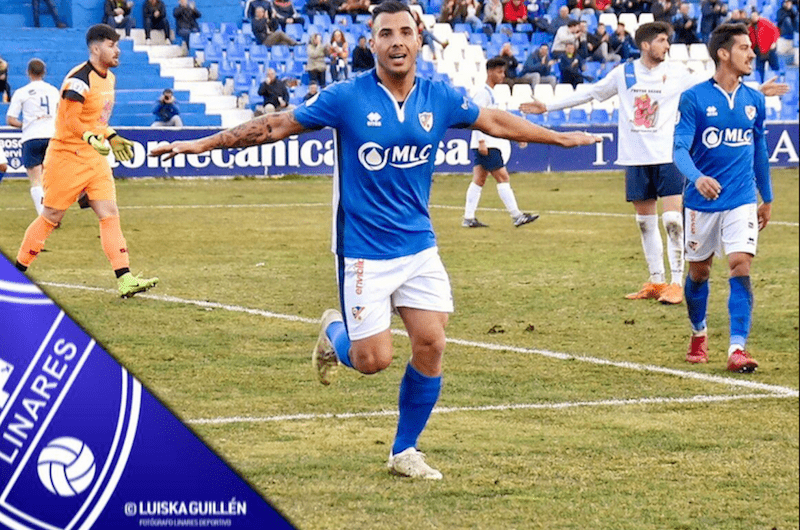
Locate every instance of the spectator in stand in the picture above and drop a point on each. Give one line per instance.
(564, 35)
(327, 7)
(764, 37)
(571, 66)
(562, 19)
(599, 46)
(117, 14)
(362, 56)
(664, 11)
(339, 52)
(513, 75)
(5, 88)
(713, 12)
(539, 64)
(154, 15)
(515, 12)
(316, 67)
(621, 43)
(354, 7)
(275, 94)
(166, 111)
(426, 35)
(53, 11)
(492, 13)
(313, 90)
(787, 24)
(285, 13)
(738, 16)
(603, 6)
(685, 26)
(186, 15)
(625, 6)
(267, 32)
(581, 7)
(251, 5)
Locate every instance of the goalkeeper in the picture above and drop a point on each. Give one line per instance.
(76, 160)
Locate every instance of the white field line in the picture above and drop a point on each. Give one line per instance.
(483, 408)
(777, 391)
(323, 204)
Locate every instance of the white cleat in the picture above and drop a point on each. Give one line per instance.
(323, 357)
(411, 463)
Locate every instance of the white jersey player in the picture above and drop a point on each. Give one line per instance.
(491, 155)
(36, 102)
(649, 91)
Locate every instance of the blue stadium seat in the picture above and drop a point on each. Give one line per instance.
(280, 52)
(520, 39)
(300, 53)
(504, 28)
(478, 38)
(322, 21)
(241, 82)
(295, 31)
(789, 112)
(538, 119)
(614, 116)
(235, 52)
(599, 117)
(251, 67)
(578, 116)
(227, 69)
(525, 28)
(461, 27)
(259, 52)
(539, 38)
(228, 29)
(295, 69)
(499, 38)
(425, 68)
(556, 118)
(244, 39)
(207, 29)
(219, 38)
(343, 20)
(197, 41)
(212, 53)
(364, 19)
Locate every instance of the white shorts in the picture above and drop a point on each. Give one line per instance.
(371, 289)
(716, 232)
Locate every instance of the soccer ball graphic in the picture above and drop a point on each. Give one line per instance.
(66, 466)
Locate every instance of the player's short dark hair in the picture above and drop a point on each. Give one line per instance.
(101, 32)
(389, 7)
(650, 30)
(36, 67)
(572, 23)
(722, 38)
(495, 62)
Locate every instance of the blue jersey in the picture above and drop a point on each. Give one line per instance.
(385, 153)
(721, 135)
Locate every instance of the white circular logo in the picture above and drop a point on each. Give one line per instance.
(372, 156)
(66, 466)
(711, 137)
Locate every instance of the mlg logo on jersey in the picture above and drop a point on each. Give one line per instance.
(712, 137)
(374, 157)
(68, 415)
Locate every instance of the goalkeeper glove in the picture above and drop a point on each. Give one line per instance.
(96, 141)
(122, 148)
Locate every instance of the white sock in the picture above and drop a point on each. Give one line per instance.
(734, 347)
(507, 196)
(673, 224)
(473, 198)
(37, 194)
(652, 246)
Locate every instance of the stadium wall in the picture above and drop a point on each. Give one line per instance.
(312, 154)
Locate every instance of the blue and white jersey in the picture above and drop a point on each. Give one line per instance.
(723, 135)
(385, 153)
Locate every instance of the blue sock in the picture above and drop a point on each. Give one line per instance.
(740, 308)
(418, 395)
(696, 302)
(337, 334)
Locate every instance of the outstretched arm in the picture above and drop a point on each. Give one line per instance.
(502, 124)
(262, 130)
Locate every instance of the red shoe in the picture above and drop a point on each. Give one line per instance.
(740, 361)
(649, 290)
(698, 349)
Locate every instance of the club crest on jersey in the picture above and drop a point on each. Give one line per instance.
(358, 313)
(426, 120)
(750, 112)
(711, 111)
(373, 119)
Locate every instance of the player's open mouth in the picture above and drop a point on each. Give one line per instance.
(397, 56)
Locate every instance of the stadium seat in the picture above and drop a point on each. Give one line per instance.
(630, 20)
(520, 40)
(462, 27)
(538, 119)
(228, 29)
(259, 53)
(556, 118)
(300, 53)
(578, 116)
(197, 41)
(241, 82)
(609, 19)
(479, 39)
(678, 52)
(250, 67)
(342, 20)
(363, 19)
(227, 69)
(698, 52)
(498, 39)
(212, 53)
(543, 92)
(644, 18)
(502, 95)
(322, 21)
(598, 117)
(280, 53)
(219, 38)
(235, 52)
(525, 28)
(295, 31)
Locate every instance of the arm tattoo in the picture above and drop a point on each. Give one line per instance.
(262, 130)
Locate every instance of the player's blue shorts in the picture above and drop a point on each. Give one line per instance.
(492, 161)
(650, 182)
(33, 152)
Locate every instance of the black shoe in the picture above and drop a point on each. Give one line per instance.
(473, 223)
(525, 218)
(83, 201)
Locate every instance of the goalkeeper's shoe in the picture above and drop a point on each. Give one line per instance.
(648, 290)
(473, 223)
(740, 361)
(411, 463)
(129, 285)
(525, 218)
(698, 348)
(97, 142)
(323, 357)
(672, 294)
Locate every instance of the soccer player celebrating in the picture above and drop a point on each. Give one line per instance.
(649, 89)
(37, 103)
(388, 123)
(721, 149)
(489, 153)
(76, 159)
